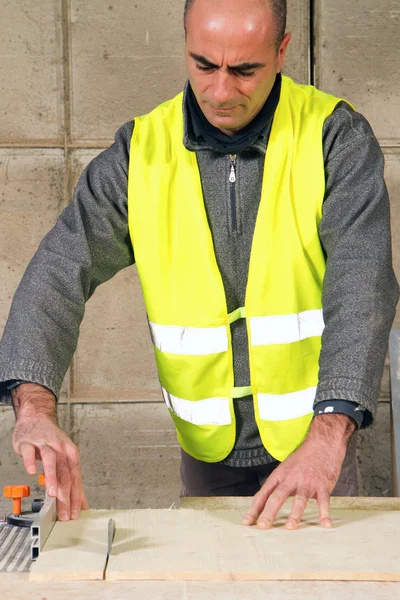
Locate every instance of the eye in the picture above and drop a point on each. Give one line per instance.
(246, 73)
(204, 69)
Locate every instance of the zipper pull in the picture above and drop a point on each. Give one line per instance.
(232, 174)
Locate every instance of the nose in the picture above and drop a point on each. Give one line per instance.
(222, 89)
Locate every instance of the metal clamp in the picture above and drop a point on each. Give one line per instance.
(42, 525)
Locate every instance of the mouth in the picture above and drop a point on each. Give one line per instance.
(223, 109)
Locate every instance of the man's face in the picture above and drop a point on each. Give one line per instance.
(232, 59)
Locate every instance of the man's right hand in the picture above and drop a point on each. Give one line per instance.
(37, 437)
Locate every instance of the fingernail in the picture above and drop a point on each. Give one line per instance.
(64, 516)
(246, 521)
(52, 491)
(31, 470)
(74, 514)
(291, 524)
(263, 524)
(327, 523)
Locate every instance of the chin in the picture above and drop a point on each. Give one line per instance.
(223, 122)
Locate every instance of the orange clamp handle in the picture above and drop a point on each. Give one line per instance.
(41, 479)
(17, 492)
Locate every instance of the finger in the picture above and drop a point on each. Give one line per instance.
(323, 500)
(298, 507)
(49, 458)
(64, 488)
(78, 498)
(77, 494)
(63, 510)
(258, 502)
(273, 506)
(28, 453)
(85, 503)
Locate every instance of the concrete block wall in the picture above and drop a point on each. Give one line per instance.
(74, 72)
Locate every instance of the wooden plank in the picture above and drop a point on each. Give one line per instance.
(213, 545)
(75, 550)
(243, 502)
(394, 353)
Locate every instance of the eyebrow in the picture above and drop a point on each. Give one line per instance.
(246, 66)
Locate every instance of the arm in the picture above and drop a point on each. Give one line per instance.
(360, 289)
(87, 246)
(359, 299)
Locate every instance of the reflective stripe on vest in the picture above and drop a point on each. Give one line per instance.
(184, 291)
(286, 329)
(286, 406)
(189, 340)
(210, 411)
(215, 411)
(279, 329)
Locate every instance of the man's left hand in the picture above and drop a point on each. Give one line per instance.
(310, 472)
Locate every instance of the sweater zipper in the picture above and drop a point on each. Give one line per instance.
(232, 188)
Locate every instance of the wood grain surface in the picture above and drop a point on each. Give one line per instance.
(75, 550)
(212, 545)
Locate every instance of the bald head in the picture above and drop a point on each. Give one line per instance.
(278, 9)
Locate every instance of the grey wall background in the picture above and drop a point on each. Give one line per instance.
(73, 71)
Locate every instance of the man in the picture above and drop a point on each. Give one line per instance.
(248, 206)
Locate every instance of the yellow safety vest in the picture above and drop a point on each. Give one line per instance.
(184, 292)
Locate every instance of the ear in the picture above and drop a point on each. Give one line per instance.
(282, 50)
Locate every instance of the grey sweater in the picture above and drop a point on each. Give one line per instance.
(90, 243)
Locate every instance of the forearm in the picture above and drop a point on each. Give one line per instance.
(33, 401)
(335, 430)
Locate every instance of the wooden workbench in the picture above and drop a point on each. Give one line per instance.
(18, 587)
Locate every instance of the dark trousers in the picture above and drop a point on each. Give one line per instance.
(216, 479)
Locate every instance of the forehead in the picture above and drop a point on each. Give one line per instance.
(231, 25)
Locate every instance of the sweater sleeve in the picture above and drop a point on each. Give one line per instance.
(87, 246)
(360, 290)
